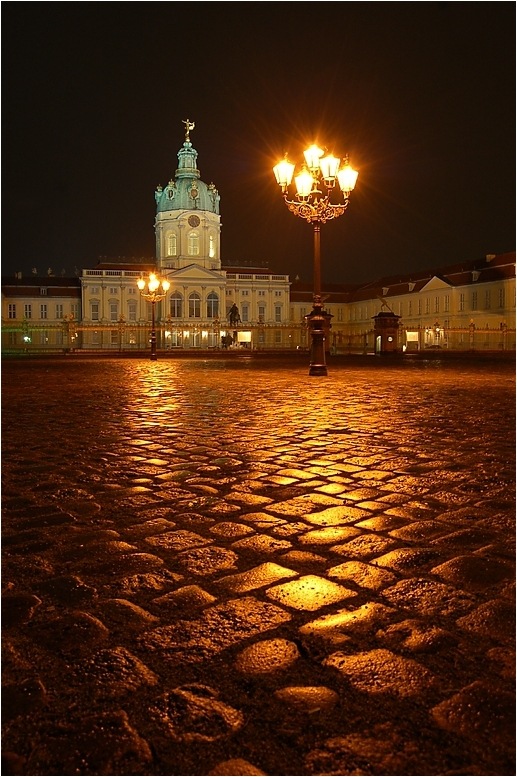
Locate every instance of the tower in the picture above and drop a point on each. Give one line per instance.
(188, 224)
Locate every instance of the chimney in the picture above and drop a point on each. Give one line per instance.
(489, 257)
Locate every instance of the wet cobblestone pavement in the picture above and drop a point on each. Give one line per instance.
(232, 568)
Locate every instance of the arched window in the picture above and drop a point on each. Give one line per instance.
(194, 305)
(211, 247)
(171, 244)
(212, 305)
(193, 243)
(176, 308)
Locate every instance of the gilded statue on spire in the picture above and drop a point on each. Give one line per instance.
(189, 125)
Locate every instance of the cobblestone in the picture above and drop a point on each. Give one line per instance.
(219, 567)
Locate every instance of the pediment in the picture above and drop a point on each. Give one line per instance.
(435, 283)
(194, 272)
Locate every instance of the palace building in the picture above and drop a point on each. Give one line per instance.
(468, 306)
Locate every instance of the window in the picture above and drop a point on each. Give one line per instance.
(446, 303)
(43, 311)
(501, 298)
(12, 311)
(278, 293)
(428, 305)
(193, 244)
(176, 305)
(419, 307)
(131, 290)
(114, 337)
(131, 311)
(488, 301)
(245, 312)
(113, 311)
(278, 337)
(27, 311)
(74, 309)
(462, 302)
(59, 311)
(94, 311)
(94, 290)
(245, 293)
(43, 291)
(261, 313)
(211, 248)
(262, 293)
(278, 312)
(410, 308)
(340, 314)
(474, 300)
(212, 305)
(228, 292)
(96, 338)
(113, 290)
(194, 305)
(171, 244)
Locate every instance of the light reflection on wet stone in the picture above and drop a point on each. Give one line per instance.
(257, 577)
(328, 535)
(206, 561)
(363, 575)
(310, 592)
(360, 621)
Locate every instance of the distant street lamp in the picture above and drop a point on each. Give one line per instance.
(314, 205)
(150, 290)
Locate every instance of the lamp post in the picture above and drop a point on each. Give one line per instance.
(150, 290)
(314, 205)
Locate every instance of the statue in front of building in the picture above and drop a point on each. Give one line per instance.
(233, 315)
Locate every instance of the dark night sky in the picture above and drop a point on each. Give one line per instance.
(421, 95)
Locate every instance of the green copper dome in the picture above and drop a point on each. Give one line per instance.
(187, 191)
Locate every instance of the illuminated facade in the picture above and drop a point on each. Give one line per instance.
(469, 306)
(195, 312)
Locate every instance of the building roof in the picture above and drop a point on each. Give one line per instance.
(490, 268)
(32, 285)
(137, 265)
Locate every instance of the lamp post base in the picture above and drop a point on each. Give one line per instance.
(317, 322)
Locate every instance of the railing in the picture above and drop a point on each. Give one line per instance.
(231, 276)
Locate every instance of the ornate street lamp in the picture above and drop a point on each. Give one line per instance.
(151, 291)
(314, 205)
